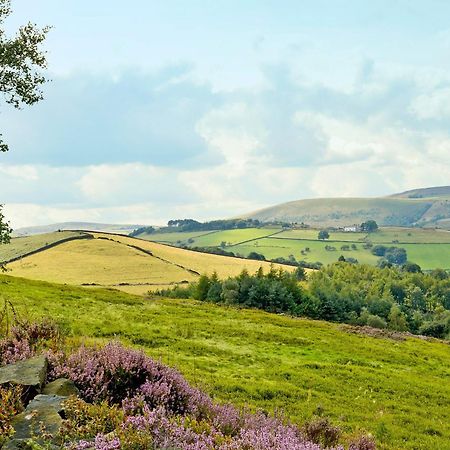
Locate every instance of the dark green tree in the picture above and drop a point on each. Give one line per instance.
(369, 227)
(323, 234)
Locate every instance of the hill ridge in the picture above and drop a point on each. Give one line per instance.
(427, 207)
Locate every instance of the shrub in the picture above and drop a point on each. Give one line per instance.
(376, 322)
(114, 373)
(10, 405)
(25, 339)
(321, 431)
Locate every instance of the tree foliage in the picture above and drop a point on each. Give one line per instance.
(323, 234)
(21, 62)
(369, 226)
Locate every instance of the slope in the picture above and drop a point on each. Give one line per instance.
(395, 389)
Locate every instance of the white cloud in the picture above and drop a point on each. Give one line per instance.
(20, 172)
(432, 105)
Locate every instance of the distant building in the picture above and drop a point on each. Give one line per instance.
(351, 229)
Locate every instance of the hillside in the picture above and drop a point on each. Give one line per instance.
(121, 262)
(422, 207)
(432, 192)
(393, 387)
(27, 245)
(64, 226)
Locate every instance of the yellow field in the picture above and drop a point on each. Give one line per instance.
(124, 263)
(225, 266)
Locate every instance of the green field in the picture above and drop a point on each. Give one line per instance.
(397, 390)
(174, 238)
(426, 247)
(273, 248)
(211, 238)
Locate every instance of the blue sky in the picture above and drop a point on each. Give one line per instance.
(208, 109)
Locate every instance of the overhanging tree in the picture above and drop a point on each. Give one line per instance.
(21, 77)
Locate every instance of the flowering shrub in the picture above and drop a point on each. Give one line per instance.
(119, 375)
(25, 340)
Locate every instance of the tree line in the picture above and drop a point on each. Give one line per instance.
(182, 225)
(388, 297)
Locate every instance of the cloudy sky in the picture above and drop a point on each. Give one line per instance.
(208, 109)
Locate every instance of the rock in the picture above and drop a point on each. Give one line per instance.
(42, 413)
(61, 386)
(22, 444)
(30, 374)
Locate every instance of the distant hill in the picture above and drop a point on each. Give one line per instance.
(89, 226)
(429, 207)
(432, 192)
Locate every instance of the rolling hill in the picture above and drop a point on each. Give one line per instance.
(429, 207)
(115, 261)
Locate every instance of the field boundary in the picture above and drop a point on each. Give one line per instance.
(149, 253)
(168, 242)
(48, 246)
(254, 239)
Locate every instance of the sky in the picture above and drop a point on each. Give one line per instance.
(211, 109)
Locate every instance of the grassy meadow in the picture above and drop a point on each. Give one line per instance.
(397, 390)
(427, 247)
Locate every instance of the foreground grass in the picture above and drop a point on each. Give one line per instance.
(397, 390)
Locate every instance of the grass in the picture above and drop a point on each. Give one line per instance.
(232, 237)
(23, 245)
(410, 235)
(429, 256)
(99, 262)
(132, 265)
(396, 389)
(175, 237)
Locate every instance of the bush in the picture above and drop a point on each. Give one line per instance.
(256, 256)
(10, 405)
(376, 322)
(321, 431)
(114, 373)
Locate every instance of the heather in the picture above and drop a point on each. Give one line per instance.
(389, 384)
(128, 400)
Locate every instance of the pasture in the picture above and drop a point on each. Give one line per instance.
(427, 247)
(396, 389)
